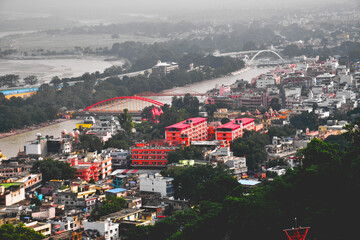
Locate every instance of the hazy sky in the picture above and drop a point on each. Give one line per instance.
(94, 6)
(110, 11)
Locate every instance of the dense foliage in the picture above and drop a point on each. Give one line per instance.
(53, 169)
(202, 183)
(187, 153)
(305, 120)
(9, 231)
(91, 143)
(320, 194)
(110, 205)
(252, 146)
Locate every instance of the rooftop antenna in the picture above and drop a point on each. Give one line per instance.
(296, 233)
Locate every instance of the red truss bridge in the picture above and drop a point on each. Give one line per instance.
(133, 104)
(172, 94)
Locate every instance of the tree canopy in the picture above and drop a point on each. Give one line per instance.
(53, 169)
(9, 231)
(110, 205)
(252, 146)
(187, 153)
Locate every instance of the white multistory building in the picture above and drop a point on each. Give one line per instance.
(157, 183)
(106, 228)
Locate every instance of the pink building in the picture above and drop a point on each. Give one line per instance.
(234, 129)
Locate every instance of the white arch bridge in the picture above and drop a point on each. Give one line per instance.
(266, 51)
(253, 60)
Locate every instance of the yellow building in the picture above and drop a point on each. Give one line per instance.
(83, 125)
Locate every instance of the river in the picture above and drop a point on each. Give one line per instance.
(203, 87)
(46, 69)
(10, 145)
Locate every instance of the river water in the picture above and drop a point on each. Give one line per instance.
(10, 145)
(203, 87)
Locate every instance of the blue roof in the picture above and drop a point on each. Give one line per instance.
(249, 182)
(116, 190)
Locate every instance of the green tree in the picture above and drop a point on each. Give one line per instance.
(224, 120)
(284, 131)
(53, 169)
(55, 81)
(318, 152)
(120, 140)
(305, 120)
(11, 80)
(147, 113)
(91, 143)
(252, 146)
(188, 102)
(110, 205)
(194, 182)
(31, 80)
(275, 104)
(186, 153)
(9, 231)
(126, 121)
(291, 50)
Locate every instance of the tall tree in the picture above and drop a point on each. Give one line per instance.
(126, 121)
(31, 80)
(275, 104)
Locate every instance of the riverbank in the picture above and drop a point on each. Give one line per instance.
(11, 145)
(32, 128)
(247, 74)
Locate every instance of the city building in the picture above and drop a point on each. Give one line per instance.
(14, 170)
(251, 100)
(157, 183)
(265, 80)
(36, 147)
(87, 171)
(45, 212)
(11, 193)
(150, 155)
(31, 181)
(119, 158)
(65, 224)
(87, 123)
(93, 166)
(118, 180)
(116, 192)
(105, 128)
(40, 227)
(234, 129)
(236, 164)
(106, 228)
(163, 68)
(192, 129)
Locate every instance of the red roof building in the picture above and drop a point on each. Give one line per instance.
(95, 169)
(192, 129)
(234, 129)
(150, 155)
(87, 171)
